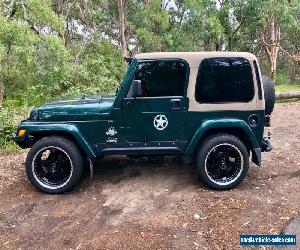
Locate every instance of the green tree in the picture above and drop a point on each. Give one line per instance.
(42, 57)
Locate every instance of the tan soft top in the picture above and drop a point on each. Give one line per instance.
(194, 58)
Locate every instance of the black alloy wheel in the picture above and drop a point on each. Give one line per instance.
(222, 161)
(54, 164)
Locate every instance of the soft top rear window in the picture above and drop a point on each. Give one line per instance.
(224, 80)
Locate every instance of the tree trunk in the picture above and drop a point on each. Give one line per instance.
(122, 23)
(288, 95)
(58, 8)
(1, 93)
(272, 45)
(229, 43)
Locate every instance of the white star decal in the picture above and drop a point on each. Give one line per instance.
(160, 122)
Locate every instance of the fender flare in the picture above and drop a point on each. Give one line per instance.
(36, 128)
(225, 123)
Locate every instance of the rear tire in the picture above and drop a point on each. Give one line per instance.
(54, 165)
(222, 161)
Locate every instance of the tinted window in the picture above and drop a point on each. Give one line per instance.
(162, 78)
(224, 80)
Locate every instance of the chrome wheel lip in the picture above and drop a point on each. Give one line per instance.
(38, 179)
(238, 175)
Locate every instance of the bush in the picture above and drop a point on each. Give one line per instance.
(282, 79)
(9, 120)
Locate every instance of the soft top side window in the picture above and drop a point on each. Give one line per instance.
(224, 79)
(162, 78)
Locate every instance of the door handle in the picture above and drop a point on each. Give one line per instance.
(175, 103)
(128, 101)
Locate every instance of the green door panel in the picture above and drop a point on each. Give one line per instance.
(154, 119)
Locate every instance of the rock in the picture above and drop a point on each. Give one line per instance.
(197, 216)
(185, 225)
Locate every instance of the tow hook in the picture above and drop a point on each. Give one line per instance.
(266, 144)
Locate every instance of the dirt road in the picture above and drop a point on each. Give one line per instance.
(154, 204)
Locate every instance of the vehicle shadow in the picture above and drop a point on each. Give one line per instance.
(170, 170)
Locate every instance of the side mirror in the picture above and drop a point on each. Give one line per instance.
(136, 88)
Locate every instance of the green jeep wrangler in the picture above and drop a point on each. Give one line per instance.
(209, 106)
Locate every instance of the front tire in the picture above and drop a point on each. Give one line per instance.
(54, 165)
(222, 161)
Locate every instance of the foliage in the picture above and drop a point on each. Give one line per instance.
(36, 68)
(287, 88)
(9, 118)
(281, 79)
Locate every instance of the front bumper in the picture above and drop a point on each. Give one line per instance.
(24, 142)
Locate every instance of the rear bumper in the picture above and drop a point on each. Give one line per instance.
(256, 152)
(267, 122)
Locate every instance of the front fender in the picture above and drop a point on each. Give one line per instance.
(36, 128)
(219, 124)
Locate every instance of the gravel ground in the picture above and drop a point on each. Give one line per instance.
(154, 204)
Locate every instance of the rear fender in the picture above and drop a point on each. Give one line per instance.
(210, 125)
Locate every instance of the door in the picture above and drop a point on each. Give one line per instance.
(159, 114)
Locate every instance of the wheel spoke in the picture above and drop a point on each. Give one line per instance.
(227, 152)
(52, 167)
(224, 164)
(217, 155)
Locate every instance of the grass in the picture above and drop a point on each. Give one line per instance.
(284, 88)
(287, 88)
(10, 147)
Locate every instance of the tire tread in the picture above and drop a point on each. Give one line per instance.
(73, 152)
(204, 148)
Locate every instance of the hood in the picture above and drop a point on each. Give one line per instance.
(82, 108)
